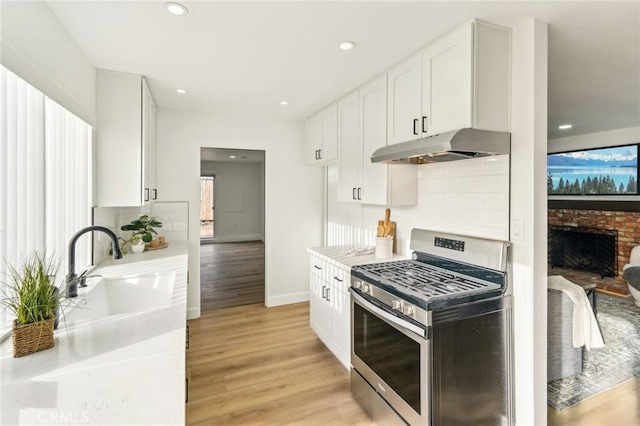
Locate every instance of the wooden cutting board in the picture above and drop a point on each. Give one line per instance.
(387, 228)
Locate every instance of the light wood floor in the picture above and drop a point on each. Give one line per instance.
(619, 406)
(254, 365)
(231, 274)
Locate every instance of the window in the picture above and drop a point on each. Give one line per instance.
(45, 177)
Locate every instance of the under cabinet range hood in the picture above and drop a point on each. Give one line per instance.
(451, 146)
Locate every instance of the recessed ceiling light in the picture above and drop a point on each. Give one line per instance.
(232, 156)
(347, 45)
(284, 103)
(565, 126)
(176, 9)
(181, 91)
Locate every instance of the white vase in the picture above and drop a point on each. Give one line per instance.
(138, 248)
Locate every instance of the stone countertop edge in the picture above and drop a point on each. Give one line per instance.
(340, 256)
(127, 370)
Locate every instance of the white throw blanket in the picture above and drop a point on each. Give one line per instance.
(586, 331)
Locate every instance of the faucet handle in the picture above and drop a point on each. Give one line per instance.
(82, 279)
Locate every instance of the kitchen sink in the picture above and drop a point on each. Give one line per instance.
(117, 296)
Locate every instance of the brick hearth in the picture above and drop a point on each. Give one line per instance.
(626, 223)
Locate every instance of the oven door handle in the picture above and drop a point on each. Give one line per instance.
(386, 315)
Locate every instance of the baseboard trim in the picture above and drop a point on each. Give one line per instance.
(287, 299)
(193, 313)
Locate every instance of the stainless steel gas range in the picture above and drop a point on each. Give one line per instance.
(431, 337)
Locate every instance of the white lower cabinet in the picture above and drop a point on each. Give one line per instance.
(330, 307)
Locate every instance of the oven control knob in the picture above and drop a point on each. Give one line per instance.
(357, 284)
(395, 304)
(407, 310)
(366, 288)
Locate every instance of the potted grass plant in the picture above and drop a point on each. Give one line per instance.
(29, 294)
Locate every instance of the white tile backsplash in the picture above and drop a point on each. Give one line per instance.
(469, 197)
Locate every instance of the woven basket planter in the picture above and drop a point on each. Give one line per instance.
(34, 337)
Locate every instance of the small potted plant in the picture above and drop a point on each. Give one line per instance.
(31, 296)
(142, 230)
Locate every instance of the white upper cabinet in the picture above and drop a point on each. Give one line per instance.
(464, 83)
(322, 136)
(349, 148)
(125, 140)
(405, 101)
(359, 180)
(446, 83)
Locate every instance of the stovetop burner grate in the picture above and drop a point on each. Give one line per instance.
(427, 281)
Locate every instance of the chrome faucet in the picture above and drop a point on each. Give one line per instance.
(72, 278)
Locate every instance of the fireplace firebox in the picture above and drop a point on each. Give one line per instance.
(587, 249)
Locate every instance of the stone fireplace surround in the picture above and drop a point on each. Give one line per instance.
(626, 223)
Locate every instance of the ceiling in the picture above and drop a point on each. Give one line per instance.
(242, 58)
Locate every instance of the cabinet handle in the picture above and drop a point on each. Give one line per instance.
(353, 195)
(319, 154)
(317, 267)
(424, 124)
(328, 300)
(415, 127)
(324, 288)
(155, 194)
(187, 343)
(186, 389)
(146, 194)
(359, 193)
(337, 279)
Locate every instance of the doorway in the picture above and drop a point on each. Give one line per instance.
(232, 246)
(207, 206)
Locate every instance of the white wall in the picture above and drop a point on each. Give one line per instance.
(37, 47)
(529, 207)
(238, 200)
(293, 192)
(595, 140)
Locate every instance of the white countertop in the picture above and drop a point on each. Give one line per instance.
(346, 257)
(120, 370)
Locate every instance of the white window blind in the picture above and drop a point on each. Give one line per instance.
(45, 177)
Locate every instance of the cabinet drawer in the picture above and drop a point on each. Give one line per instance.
(340, 278)
(316, 266)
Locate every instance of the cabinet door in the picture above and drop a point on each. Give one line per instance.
(340, 345)
(329, 148)
(447, 83)
(148, 143)
(349, 146)
(373, 130)
(318, 307)
(405, 101)
(119, 159)
(313, 133)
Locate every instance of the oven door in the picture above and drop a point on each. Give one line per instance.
(392, 355)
